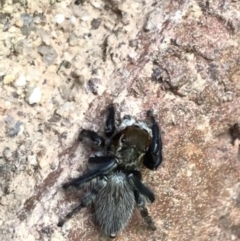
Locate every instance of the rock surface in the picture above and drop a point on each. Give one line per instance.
(179, 58)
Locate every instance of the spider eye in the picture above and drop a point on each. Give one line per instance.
(123, 140)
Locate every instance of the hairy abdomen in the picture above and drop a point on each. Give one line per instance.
(114, 204)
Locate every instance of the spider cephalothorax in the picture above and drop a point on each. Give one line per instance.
(118, 186)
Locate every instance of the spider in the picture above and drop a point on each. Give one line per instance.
(117, 185)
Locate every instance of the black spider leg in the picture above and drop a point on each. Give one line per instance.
(102, 170)
(143, 195)
(86, 201)
(93, 136)
(145, 214)
(153, 156)
(110, 121)
(100, 159)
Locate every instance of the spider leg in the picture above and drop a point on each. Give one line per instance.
(102, 170)
(142, 195)
(100, 159)
(146, 216)
(86, 201)
(153, 156)
(110, 121)
(138, 186)
(92, 136)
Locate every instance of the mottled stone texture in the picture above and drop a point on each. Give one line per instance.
(179, 58)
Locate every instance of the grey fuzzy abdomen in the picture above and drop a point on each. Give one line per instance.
(114, 204)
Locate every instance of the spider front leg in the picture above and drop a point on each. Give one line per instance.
(92, 136)
(86, 201)
(153, 156)
(110, 121)
(102, 170)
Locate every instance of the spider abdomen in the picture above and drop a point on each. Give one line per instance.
(114, 204)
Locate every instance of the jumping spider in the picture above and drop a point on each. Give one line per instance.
(118, 184)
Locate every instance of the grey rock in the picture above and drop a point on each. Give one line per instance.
(73, 39)
(15, 130)
(48, 52)
(28, 24)
(7, 154)
(93, 85)
(96, 22)
(3, 18)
